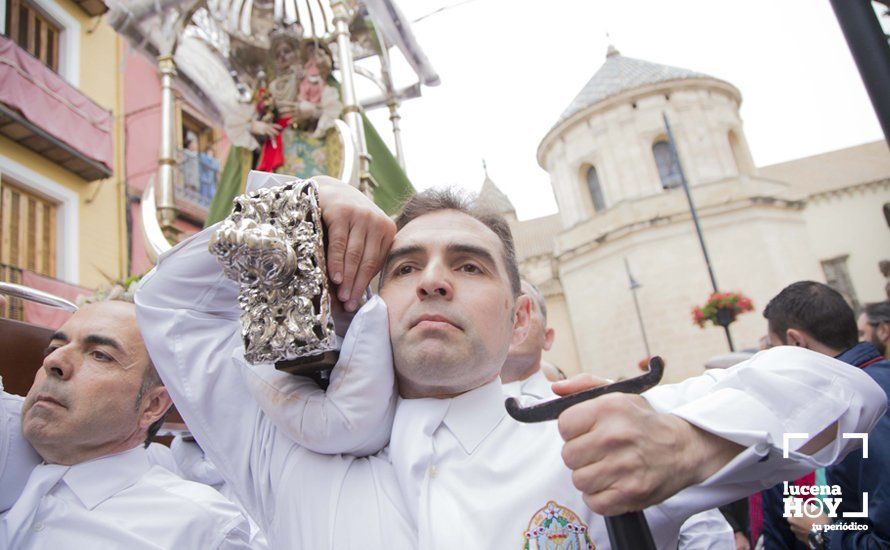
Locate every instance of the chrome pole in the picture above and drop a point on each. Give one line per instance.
(395, 117)
(392, 99)
(347, 87)
(166, 203)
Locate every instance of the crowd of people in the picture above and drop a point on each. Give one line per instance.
(410, 445)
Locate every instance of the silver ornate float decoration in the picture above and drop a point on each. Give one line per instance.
(211, 52)
(273, 246)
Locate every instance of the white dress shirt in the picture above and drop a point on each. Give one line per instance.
(458, 472)
(536, 388)
(17, 456)
(706, 530)
(161, 455)
(193, 465)
(119, 501)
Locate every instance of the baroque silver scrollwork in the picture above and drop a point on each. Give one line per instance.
(273, 246)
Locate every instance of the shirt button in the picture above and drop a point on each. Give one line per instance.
(434, 471)
(38, 526)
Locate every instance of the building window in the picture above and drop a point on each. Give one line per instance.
(837, 276)
(27, 238)
(668, 171)
(200, 168)
(595, 190)
(33, 32)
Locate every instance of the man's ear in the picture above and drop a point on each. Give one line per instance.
(794, 337)
(549, 335)
(521, 319)
(155, 403)
(883, 332)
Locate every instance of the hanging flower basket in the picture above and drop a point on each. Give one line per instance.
(721, 309)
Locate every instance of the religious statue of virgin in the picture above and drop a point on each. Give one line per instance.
(295, 112)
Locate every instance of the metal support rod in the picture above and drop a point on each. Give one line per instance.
(166, 204)
(347, 88)
(395, 117)
(870, 50)
(634, 285)
(675, 157)
(392, 99)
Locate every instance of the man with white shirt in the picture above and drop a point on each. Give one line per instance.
(523, 376)
(459, 473)
(522, 373)
(90, 484)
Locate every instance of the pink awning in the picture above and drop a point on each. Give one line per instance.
(46, 100)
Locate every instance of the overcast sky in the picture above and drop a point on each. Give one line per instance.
(509, 68)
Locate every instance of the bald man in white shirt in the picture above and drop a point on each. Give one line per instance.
(458, 472)
(522, 374)
(81, 449)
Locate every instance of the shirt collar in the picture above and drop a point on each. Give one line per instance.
(537, 386)
(473, 415)
(861, 355)
(97, 480)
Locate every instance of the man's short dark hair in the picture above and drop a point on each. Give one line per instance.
(434, 200)
(877, 312)
(816, 309)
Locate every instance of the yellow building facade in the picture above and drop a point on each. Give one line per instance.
(62, 206)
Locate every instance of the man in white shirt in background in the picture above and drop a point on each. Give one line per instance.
(522, 374)
(92, 407)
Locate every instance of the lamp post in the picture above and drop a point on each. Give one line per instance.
(678, 166)
(634, 285)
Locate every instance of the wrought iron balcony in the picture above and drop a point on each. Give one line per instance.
(196, 186)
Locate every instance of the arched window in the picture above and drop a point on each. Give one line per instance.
(596, 192)
(668, 171)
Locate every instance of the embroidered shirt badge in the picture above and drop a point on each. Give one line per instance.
(555, 527)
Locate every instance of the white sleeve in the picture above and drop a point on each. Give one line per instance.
(356, 412)
(785, 390)
(17, 457)
(188, 315)
(706, 530)
(194, 465)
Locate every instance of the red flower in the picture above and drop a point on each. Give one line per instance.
(733, 301)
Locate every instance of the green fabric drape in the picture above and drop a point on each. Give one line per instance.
(393, 186)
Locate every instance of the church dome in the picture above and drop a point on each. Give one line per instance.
(620, 74)
(609, 146)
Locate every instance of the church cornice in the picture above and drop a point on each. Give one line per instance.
(678, 214)
(849, 189)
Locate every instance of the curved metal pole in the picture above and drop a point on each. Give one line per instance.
(36, 296)
(347, 86)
